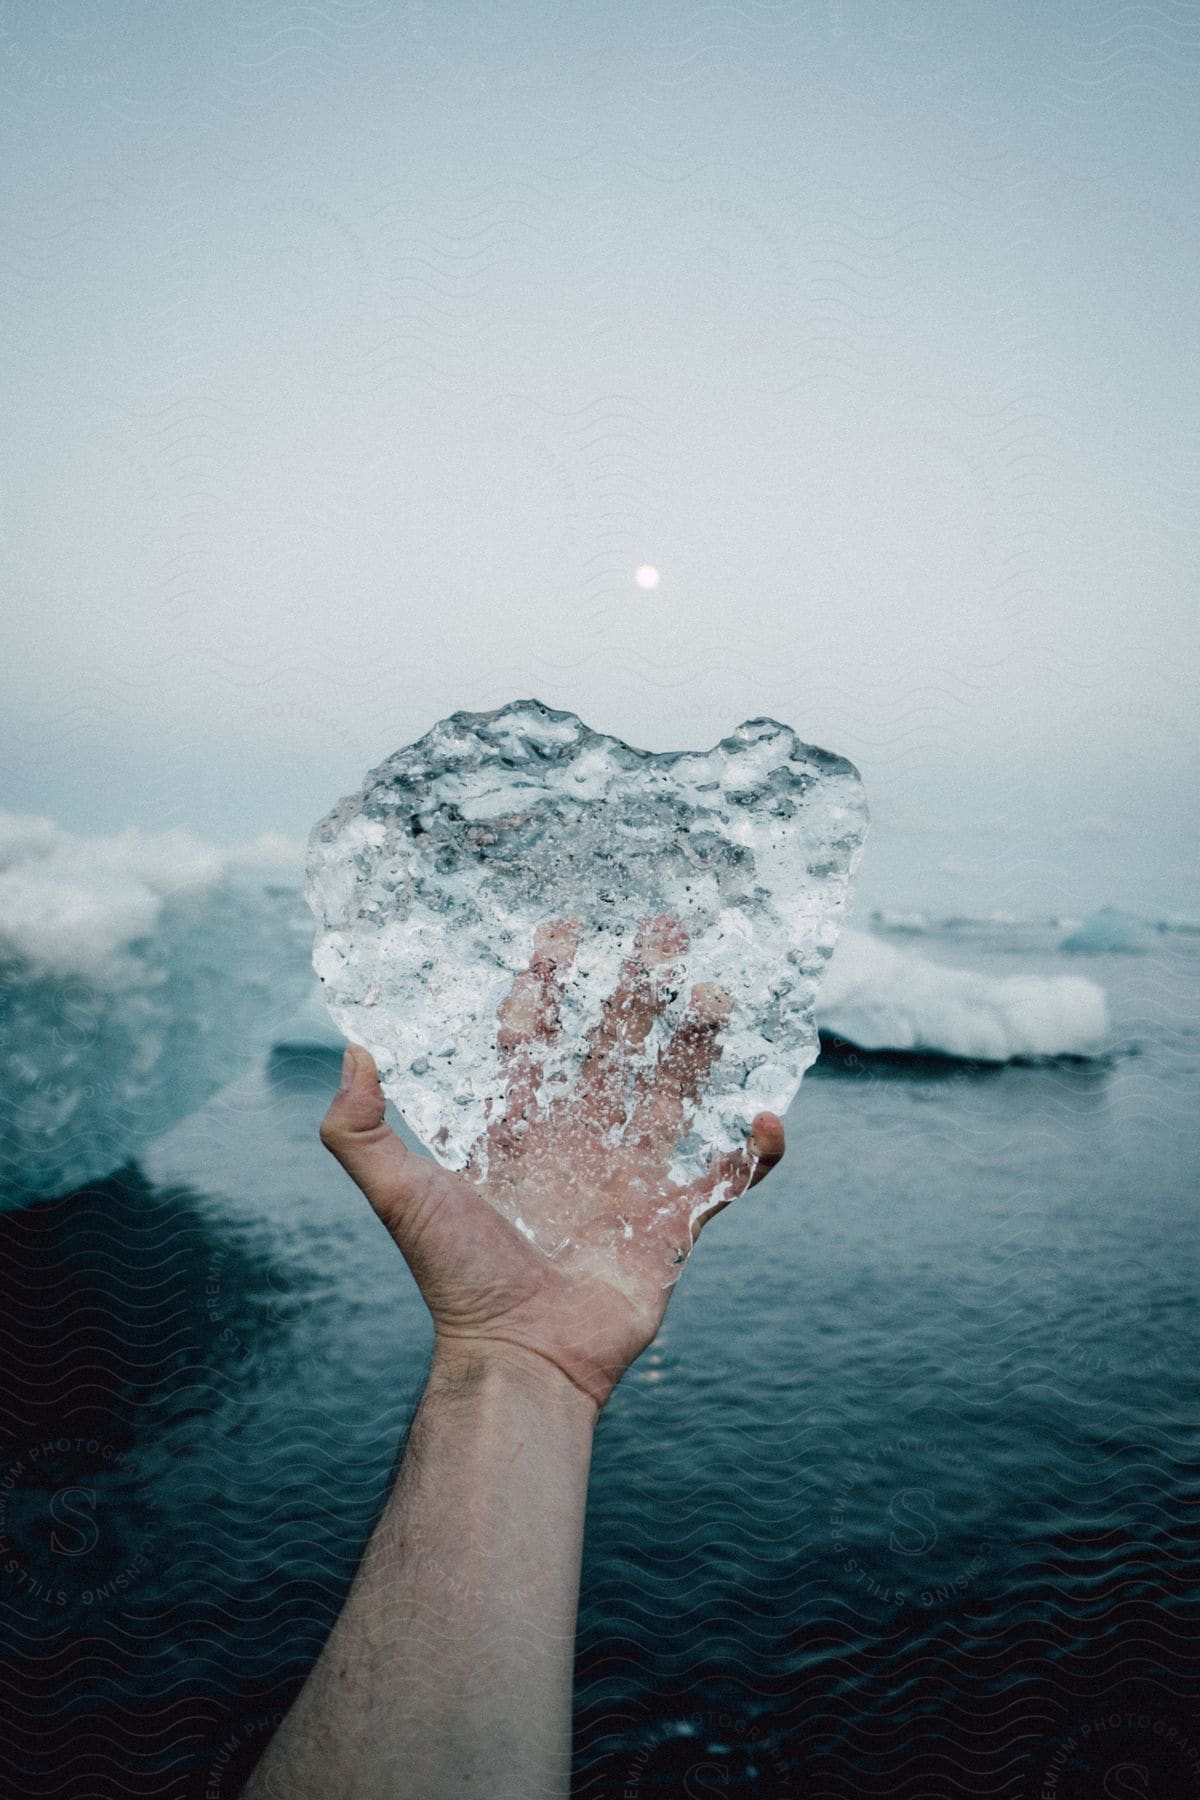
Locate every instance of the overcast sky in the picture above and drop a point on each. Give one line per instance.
(355, 356)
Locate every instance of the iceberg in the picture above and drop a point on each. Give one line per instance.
(138, 975)
(1109, 930)
(880, 998)
(517, 846)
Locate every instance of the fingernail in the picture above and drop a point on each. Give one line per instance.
(348, 1067)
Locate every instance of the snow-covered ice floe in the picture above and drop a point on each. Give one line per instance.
(138, 974)
(880, 998)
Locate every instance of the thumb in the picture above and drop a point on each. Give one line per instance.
(354, 1129)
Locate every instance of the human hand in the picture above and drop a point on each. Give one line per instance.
(590, 1168)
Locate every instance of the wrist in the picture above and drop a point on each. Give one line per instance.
(466, 1366)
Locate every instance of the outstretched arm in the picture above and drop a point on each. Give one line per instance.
(449, 1669)
(448, 1672)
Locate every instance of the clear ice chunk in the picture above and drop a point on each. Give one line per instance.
(495, 884)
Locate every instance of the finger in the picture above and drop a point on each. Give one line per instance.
(667, 1095)
(766, 1144)
(404, 1190)
(528, 1010)
(643, 991)
(527, 1020)
(739, 1170)
(354, 1130)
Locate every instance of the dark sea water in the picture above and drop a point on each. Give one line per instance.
(902, 1502)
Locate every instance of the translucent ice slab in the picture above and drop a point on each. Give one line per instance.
(429, 885)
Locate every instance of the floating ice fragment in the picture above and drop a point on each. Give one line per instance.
(1110, 930)
(878, 997)
(527, 921)
(138, 975)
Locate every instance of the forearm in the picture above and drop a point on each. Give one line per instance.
(449, 1670)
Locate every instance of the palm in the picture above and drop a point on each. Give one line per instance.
(585, 1278)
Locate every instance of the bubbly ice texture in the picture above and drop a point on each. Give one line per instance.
(428, 886)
